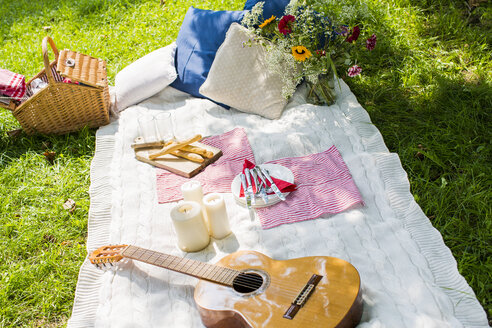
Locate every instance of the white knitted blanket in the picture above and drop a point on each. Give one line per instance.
(409, 277)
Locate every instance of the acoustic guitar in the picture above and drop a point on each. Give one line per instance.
(249, 289)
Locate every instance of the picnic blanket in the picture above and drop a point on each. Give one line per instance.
(409, 277)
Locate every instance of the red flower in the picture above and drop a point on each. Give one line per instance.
(321, 53)
(354, 71)
(371, 42)
(285, 24)
(354, 36)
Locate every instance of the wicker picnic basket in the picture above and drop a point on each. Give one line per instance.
(65, 107)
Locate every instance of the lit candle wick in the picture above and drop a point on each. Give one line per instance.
(185, 209)
(214, 200)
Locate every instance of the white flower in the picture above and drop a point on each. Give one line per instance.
(252, 17)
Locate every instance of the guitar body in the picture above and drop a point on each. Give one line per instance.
(335, 301)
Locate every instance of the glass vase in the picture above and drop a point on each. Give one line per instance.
(323, 92)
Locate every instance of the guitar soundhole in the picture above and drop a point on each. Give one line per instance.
(247, 282)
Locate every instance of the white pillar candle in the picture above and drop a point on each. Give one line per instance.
(190, 226)
(192, 191)
(217, 215)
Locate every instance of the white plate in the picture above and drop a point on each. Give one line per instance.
(277, 171)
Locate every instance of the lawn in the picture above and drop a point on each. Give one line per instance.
(427, 87)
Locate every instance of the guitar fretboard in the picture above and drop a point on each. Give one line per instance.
(210, 272)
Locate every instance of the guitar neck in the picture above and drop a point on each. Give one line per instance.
(213, 273)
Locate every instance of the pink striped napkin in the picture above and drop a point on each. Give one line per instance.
(324, 186)
(216, 177)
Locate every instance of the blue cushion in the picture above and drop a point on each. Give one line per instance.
(199, 38)
(270, 7)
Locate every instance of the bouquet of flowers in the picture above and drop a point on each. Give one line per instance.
(306, 45)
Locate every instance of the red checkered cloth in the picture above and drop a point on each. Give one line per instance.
(12, 85)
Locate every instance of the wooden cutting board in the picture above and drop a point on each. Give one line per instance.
(176, 165)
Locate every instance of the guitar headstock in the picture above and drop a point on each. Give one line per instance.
(107, 255)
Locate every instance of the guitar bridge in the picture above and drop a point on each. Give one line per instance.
(302, 297)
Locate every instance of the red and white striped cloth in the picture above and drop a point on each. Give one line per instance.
(324, 186)
(216, 177)
(12, 85)
(324, 183)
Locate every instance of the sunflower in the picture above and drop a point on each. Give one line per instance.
(268, 21)
(301, 53)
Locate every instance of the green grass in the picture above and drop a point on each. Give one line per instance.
(427, 88)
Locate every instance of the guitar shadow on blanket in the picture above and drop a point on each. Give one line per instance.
(158, 283)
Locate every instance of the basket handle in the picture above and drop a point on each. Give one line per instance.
(46, 60)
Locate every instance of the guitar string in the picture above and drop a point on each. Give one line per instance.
(249, 282)
(286, 292)
(253, 282)
(289, 293)
(311, 319)
(292, 296)
(312, 311)
(246, 282)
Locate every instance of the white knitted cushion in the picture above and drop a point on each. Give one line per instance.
(145, 77)
(240, 78)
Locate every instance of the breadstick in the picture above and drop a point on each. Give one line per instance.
(174, 146)
(198, 150)
(150, 144)
(189, 156)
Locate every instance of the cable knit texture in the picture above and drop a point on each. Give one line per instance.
(409, 277)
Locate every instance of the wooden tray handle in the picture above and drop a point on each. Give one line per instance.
(46, 60)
